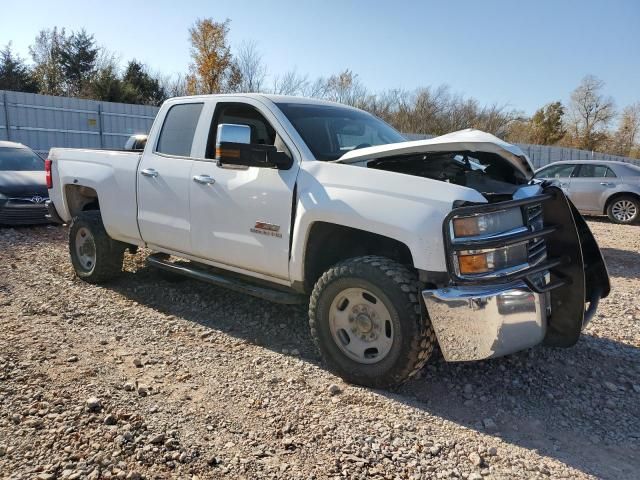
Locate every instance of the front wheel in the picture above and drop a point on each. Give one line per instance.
(624, 209)
(95, 256)
(367, 322)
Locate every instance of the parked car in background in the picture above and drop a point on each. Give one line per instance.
(136, 143)
(599, 187)
(23, 187)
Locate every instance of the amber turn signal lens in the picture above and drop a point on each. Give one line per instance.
(227, 153)
(470, 264)
(466, 226)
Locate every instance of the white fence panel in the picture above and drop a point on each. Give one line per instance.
(45, 121)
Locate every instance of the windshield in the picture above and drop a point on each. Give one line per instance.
(20, 159)
(330, 131)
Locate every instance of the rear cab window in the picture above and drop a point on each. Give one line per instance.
(178, 129)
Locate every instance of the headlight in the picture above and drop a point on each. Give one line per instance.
(474, 262)
(476, 228)
(487, 224)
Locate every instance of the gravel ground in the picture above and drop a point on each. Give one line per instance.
(148, 378)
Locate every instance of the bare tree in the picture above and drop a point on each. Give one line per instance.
(252, 69)
(290, 83)
(591, 113)
(345, 87)
(627, 135)
(316, 89)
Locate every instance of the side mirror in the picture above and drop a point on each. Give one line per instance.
(233, 147)
(230, 132)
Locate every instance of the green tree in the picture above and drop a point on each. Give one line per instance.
(140, 87)
(78, 57)
(14, 74)
(547, 127)
(46, 53)
(106, 85)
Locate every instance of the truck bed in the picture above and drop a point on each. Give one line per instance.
(111, 173)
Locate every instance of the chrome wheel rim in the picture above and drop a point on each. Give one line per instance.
(360, 325)
(85, 249)
(624, 210)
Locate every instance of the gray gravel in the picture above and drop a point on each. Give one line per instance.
(150, 378)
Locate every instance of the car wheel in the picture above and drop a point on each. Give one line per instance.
(367, 322)
(624, 209)
(95, 256)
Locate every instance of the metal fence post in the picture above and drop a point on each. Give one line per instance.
(6, 114)
(100, 124)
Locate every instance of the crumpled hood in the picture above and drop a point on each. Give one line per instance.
(22, 183)
(470, 140)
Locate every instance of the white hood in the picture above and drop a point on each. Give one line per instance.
(464, 140)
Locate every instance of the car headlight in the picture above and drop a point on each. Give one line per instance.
(480, 227)
(477, 262)
(491, 223)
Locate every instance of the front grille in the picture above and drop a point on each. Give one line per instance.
(23, 215)
(34, 199)
(537, 247)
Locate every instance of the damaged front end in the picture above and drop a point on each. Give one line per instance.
(523, 268)
(539, 280)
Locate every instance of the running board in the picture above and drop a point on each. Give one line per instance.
(227, 281)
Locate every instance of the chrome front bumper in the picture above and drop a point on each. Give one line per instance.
(479, 322)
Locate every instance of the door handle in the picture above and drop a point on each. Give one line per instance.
(149, 172)
(204, 179)
(606, 184)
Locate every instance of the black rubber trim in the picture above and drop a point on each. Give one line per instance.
(593, 306)
(52, 213)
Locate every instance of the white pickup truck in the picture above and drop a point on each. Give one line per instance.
(397, 246)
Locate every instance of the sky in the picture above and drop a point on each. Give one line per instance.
(521, 54)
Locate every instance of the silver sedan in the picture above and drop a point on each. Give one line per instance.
(599, 187)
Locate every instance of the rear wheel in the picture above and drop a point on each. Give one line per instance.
(624, 209)
(95, 256)
(367, 322)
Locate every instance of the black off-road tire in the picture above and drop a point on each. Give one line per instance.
(628, 198)
(109, 253)
(399, 289)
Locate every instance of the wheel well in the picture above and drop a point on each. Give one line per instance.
(80, 198)
(618, 195)
(329, 244)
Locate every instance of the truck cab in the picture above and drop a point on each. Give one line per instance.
(395, 245)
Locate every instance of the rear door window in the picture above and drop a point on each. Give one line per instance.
(594, 171)
(178, 129)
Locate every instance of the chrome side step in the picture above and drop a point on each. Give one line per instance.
(227, 281)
